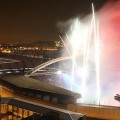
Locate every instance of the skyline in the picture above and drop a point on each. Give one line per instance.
(28, 21)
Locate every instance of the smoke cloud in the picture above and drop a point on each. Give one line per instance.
(109, 32)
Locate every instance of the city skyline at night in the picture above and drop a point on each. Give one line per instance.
(59, 59)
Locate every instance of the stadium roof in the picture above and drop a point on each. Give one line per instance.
(26, 82)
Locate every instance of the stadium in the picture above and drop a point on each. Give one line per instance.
(44, 91)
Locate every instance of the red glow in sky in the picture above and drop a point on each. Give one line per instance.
(109, 18)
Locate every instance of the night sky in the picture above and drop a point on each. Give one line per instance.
(26, 21)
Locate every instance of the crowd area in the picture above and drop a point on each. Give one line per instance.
(54, 79)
